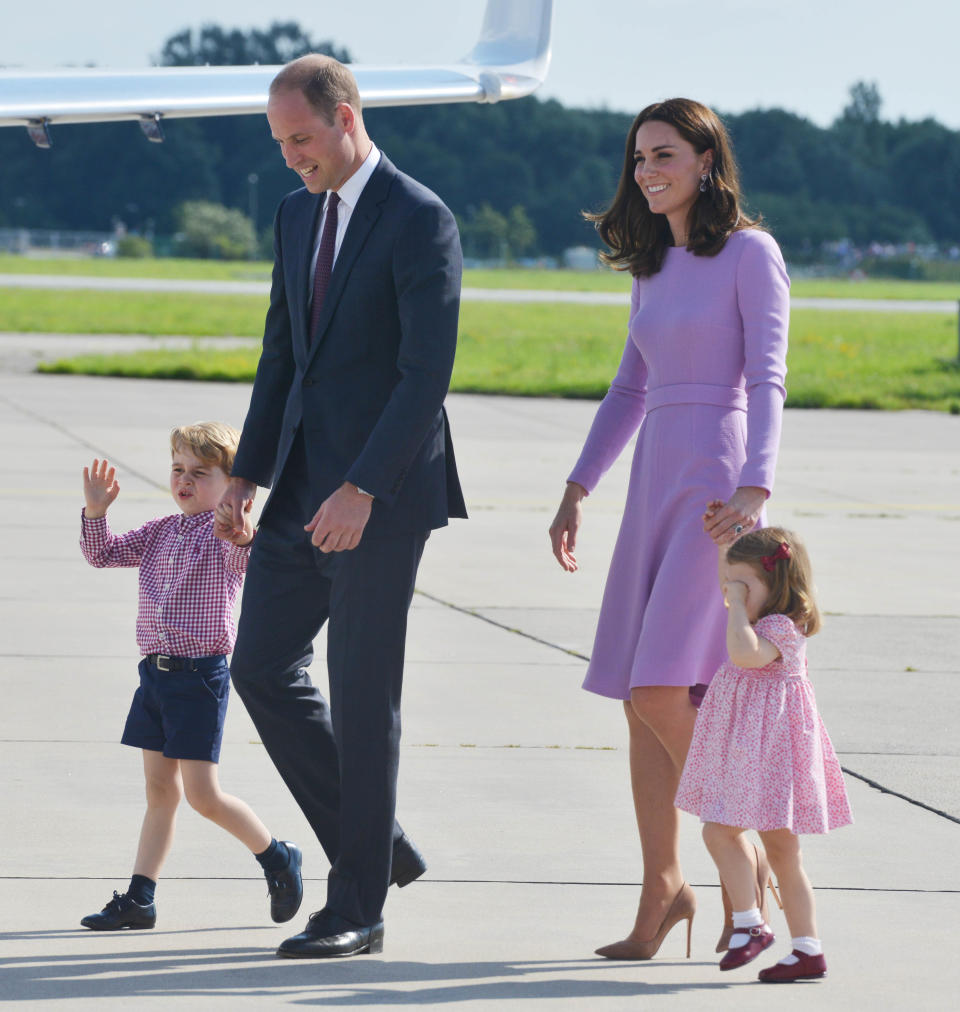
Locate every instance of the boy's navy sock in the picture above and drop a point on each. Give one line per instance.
(142, 890)
(275, 857)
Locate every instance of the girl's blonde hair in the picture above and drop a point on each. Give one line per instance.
(212, 442)
(785, 571)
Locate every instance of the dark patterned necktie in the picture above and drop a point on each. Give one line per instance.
(328, 243)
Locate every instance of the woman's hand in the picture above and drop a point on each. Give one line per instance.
(566, 524)
(100, 488)
(742, 510)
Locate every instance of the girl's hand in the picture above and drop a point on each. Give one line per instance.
(566, 524)
(734, 592)
(100, 488)
(742, 510)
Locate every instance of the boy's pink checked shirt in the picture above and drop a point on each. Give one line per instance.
(189, 581)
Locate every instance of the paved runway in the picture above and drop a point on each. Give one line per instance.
(513, 780)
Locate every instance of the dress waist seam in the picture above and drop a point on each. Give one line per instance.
(696, 393)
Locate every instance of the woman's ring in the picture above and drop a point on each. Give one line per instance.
(738, 529)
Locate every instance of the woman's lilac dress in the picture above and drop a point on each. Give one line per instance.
(702, 376)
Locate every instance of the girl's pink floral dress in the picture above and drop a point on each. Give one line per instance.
(760, 756)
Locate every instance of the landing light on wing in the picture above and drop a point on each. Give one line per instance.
(39, 131)
(150, 125)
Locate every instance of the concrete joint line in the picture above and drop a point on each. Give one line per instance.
(500, 625)
(903, 797)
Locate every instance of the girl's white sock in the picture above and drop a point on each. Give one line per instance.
(806, 944)
(744, 919)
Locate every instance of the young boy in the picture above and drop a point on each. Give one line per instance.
(189, 581)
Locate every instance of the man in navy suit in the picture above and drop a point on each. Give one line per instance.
(346, 425)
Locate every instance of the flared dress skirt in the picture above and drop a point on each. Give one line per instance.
(662, 619)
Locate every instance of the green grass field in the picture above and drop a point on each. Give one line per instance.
(837, 359)
(39, 311)
(514, 278)
(887, 361)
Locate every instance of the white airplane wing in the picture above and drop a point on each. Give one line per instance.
(509, 60)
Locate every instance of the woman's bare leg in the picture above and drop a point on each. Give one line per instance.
(660, 719)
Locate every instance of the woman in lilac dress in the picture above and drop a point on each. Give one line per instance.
(702, 378)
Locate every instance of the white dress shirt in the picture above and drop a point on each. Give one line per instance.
(349, 194)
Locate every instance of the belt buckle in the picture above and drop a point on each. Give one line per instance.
(163, 662)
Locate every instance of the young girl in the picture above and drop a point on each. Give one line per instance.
(760, 757)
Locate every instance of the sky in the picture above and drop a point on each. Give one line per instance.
(615, 54)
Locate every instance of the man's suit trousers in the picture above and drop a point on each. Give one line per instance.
(339, 760)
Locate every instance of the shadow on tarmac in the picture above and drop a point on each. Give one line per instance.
(186, 973)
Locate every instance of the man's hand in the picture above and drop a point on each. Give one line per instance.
(338, 525)
(100, 488)
(231, 521)
(226, 532)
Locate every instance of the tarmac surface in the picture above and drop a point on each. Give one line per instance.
(513, 780)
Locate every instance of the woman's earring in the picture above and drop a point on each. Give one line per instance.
(703, 182)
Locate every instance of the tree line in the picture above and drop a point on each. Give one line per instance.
(517, 174)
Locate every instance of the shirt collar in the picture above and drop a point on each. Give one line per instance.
(189, 523)
(350, 191)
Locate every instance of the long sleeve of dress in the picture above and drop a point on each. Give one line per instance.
(618, 417)
(763, 296)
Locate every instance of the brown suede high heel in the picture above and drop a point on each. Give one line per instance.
(683, 907)
(764, 880)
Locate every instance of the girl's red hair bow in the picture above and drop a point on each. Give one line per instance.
(770, 561)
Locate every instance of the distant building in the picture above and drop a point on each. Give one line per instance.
(580, 258)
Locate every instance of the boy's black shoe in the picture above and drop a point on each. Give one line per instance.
(122, 912)
(286, 886)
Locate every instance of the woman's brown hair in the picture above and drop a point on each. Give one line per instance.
(638, 239)
(786, 573)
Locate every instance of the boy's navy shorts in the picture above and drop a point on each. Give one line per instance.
(180, 713)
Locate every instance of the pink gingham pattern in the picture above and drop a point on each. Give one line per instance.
(760, 756)
(189, 581)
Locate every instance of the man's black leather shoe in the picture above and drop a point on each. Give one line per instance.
(328, 935)
(286, 886)
(122, 912)
(408, 863)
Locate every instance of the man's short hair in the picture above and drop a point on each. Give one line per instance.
(324, 82)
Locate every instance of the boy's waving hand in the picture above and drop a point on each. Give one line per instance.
(100, 488)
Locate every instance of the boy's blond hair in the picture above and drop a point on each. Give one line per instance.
(213, 442)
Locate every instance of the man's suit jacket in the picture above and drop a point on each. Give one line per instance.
(368, 387)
